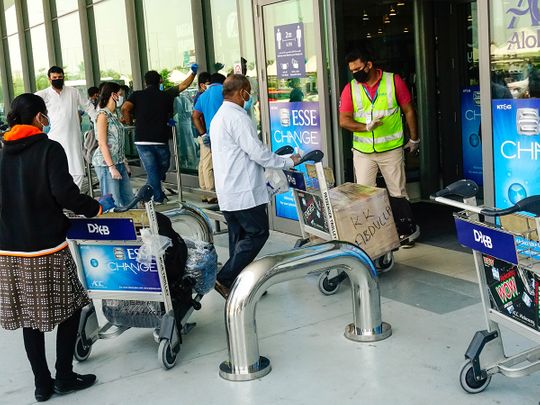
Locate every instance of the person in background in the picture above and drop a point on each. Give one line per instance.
(63, 104)
(153, 109)
(239, 162)
(39, 287)
(109, 159)
(93, 96)
(296, 92)
(371, 106)
(203, 112)
(203, 81)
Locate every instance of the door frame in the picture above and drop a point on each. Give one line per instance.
(277, 223)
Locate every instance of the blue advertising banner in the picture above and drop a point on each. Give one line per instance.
(516, 149)
(290, 52)
(102, 229)
(296, 124)
(115, 268)
(470, 134)
(487, 240)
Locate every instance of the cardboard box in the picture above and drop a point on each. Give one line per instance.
(363, 216)
(513, 291)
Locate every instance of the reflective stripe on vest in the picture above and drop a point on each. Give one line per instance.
(385, 108)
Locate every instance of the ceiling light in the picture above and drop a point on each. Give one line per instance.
(469, 18)
(368, 35)
(379, 31)
(400, 3)
(365, 17)
(392, 11)
(405, 29)
(386, 19)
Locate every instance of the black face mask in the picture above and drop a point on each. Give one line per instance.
(361, 76)
(58, 83)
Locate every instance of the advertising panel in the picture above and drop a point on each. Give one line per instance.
(513, 291)
(115, 268)
(102, 229)
(516, 148)
(296, 124)
(470, 134)
(290, 53)
(487, 240)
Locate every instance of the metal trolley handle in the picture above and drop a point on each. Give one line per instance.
(468, 188)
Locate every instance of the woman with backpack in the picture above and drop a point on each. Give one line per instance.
(109, 158)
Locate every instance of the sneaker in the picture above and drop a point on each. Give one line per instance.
(222, 289)
(43, 394)
(408, 241)
(212, 200)
(76, 383)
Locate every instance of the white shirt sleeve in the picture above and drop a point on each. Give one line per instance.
(245, 136)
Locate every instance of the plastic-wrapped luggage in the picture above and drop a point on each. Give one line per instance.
(201, 265)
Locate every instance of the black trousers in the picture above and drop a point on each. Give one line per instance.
(34, 343)
(248, 232)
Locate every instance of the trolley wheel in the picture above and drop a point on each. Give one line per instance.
(469, 383)
(166, 354)
(385, 262)
(326, 286)
(82, 352)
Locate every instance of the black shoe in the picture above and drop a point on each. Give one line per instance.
(43, 394)
(222, 289)
(76, 383)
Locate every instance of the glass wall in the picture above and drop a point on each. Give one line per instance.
(35, 12)
(225, 33)
(14, 49)
(72, 52)
(112, 41)
(515, 91)
(40, 56)
(2, 112)
(169, 37)
(171, 51)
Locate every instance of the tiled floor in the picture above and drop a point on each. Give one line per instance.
(430, 298)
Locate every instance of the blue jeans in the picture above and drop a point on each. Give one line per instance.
(120, 189)
(156, 160)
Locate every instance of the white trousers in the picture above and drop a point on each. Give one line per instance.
(392, 166)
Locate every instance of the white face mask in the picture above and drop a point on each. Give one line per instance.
(120, 101)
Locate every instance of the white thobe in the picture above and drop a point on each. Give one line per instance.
(239, 159)
(63, 112)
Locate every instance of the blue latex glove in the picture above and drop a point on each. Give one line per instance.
(206, 139)
(194, 68)
(107, 202)
(171, 122)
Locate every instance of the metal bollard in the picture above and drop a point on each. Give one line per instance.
(245, 362)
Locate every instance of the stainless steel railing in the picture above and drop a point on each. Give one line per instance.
(245, 362)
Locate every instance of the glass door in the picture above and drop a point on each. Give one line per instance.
(293, 89)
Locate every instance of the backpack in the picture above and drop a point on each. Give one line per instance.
(90, 144)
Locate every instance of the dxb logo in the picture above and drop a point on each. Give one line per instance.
(523, 8)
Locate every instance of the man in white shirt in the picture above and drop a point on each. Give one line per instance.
(239, 159)
(63, 104)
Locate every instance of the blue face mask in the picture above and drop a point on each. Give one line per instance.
(46, 128)
(248, 103)
(161, 87)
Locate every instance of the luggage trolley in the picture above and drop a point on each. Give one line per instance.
(506, 253)
(314, 208)
(133, 294)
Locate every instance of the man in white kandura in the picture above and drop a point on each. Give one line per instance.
(63, 105)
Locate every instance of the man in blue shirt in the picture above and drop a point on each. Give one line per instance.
(204, 110)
